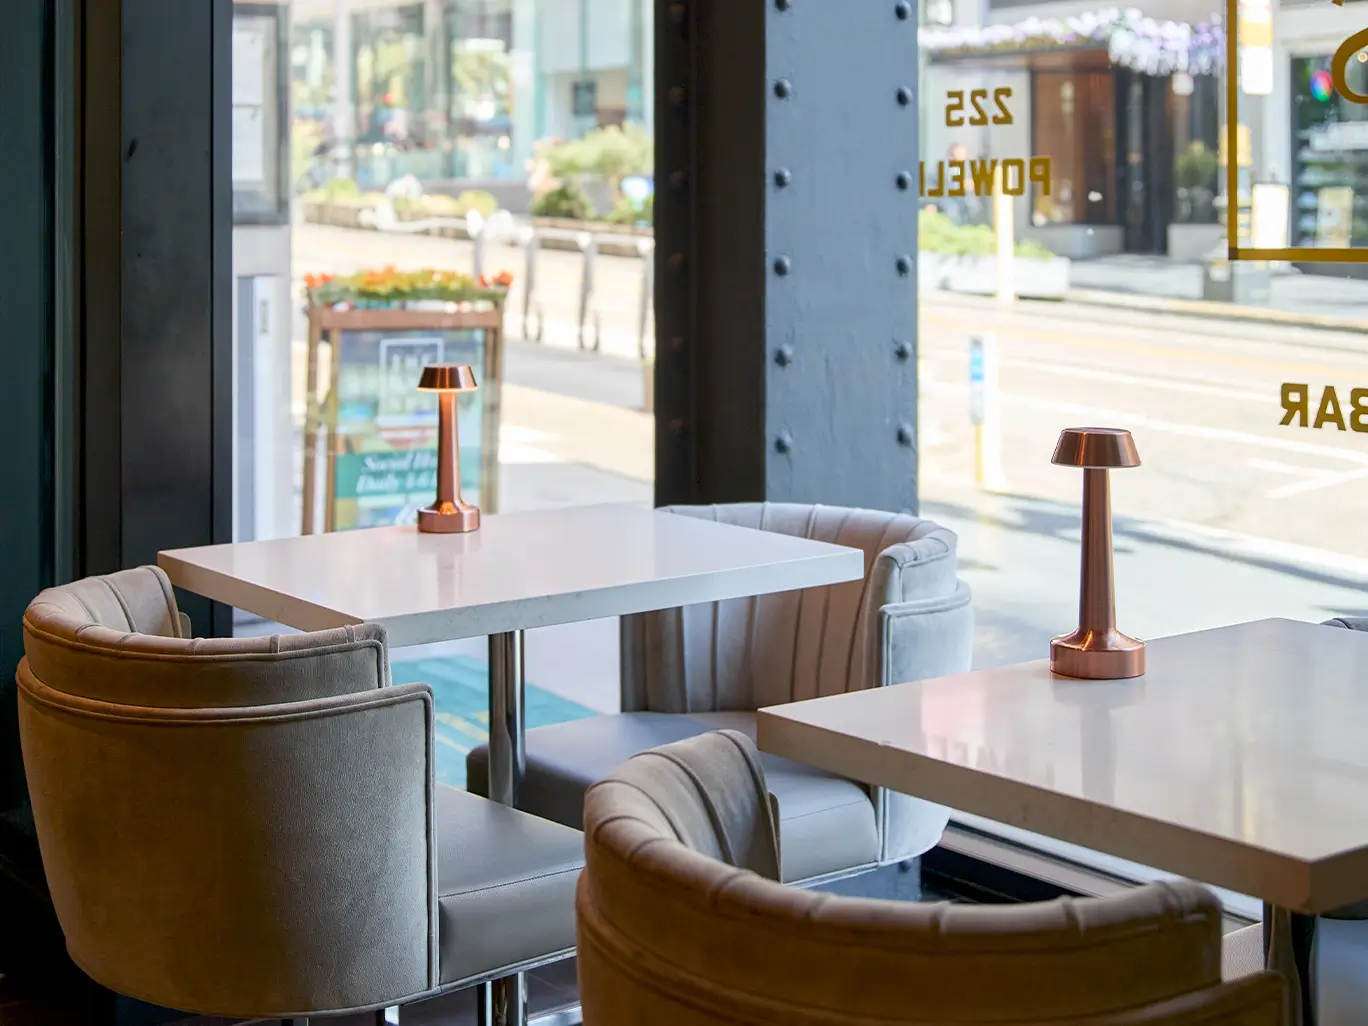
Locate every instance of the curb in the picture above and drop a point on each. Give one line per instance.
(1214, 311)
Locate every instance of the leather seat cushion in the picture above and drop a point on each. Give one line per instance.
(826, 823)
(505, 886)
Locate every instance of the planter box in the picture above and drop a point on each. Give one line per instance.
(977, 276)
(342, 215)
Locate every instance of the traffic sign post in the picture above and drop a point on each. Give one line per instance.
(983, 411)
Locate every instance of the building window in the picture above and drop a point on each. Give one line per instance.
(1329, 157)
(481, 106)
(1196, 148)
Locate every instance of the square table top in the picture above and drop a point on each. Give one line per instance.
(1239, 759)
(518, 571)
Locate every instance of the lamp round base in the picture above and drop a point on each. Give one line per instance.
(1097, 655)
(448, 518)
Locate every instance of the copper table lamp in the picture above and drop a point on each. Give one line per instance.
(1096, 650)
(450, 514)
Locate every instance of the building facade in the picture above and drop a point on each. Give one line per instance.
(1118, 110)
(460, 89)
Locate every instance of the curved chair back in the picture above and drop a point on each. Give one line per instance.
(747, 653)
(235, 826)
(678, 924)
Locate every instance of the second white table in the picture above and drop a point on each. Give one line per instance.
(1238, 759)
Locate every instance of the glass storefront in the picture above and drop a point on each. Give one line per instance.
(1329, 156)
(1111, 313)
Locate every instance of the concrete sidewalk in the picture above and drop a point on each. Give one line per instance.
(1156, 283)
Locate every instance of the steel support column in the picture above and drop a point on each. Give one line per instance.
(155, 267)
(786, 229)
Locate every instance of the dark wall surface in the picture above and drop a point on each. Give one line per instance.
(25, 344)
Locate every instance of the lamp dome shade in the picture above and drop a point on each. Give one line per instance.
(447, 377)
(1096, 449)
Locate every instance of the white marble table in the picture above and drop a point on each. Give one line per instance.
(518, 571)
(1240, 758)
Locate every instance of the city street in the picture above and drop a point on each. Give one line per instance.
(1231, 516)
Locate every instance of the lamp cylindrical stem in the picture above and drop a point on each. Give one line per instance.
(1097, 592)
(449, 513)
(448, 450)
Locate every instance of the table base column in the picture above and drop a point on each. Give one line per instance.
(503, 1002)
(1289, 941)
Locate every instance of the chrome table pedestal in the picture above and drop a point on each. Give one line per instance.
(503, 1002)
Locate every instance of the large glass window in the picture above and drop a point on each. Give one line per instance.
(1330, 156)
(487, 162)
(1123, 311)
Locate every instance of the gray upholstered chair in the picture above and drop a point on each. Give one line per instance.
(699, 668)
(250, 827)
(680, 921)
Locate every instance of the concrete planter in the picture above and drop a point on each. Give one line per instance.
(977, 275)
(343, 215)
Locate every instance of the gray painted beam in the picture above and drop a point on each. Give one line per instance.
(786, 277)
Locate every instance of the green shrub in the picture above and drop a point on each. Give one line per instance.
(566, 200)
(610, 154)
(477, 199)
(938, 234)
(437, 204)
(338, 189)
(626, 212)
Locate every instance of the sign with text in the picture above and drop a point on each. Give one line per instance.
(386, 430)
(957, 178)
(370, 438)
(1322, 407)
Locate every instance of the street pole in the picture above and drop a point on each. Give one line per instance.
(1006, 239)
(343, 112)
(984, 410)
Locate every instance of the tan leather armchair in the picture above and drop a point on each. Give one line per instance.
(690, 670)
(681, 922)
(251, 827)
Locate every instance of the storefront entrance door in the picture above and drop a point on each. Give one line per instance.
(1144, 161)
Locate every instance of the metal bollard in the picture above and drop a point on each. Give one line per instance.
(983, 412)
(531, 240)
(588, 245)
(476, 228)
(645, 250)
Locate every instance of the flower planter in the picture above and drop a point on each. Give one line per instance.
(346, 215)
(977, 275)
